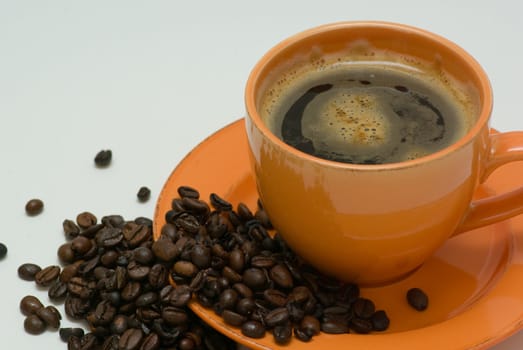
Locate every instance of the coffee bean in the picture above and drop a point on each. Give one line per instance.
(30, 304)
(74, 343)
(146, 299)
(34, 324)
(70, 271)
(131, 290)
(158, 276)
(28, 271)
(152, 342)
(185, 269)
(333, 327)
(130, 339)
(237, 260)
(174, 316)
(282, 334)
(68, 332)
(275, 297)
(47, 276)
(137, 272)
(109, 237)
(81, 287)
(81, 245)
(380, 321)
(219, 203)
(417, 299)
(311, 324)
(143, 194)
(255, 278)
(228, 299)
(360, 325)
(164, 249)
(75, 307)
(50, 315)
(302, 334)
(363, 308)
(3, 251)
(280, 275)
(71, 230)
(188, 192)
(66, 253)
(246, 306)
(34, 207)
(103, 158)
(277, 317)
(179, 296)
(57, 291)
(253, 329)
(143, 255)
(86, 220)
(232, 318)
(119, 324)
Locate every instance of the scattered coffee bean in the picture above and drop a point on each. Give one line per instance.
(34, 325)
(50, 315)
(66, 333)
(380, 321)
(3, 251)
(28, 271)
(417, 299)
(47, 275)
(144, 193)
(30, 304)
(34, 207)
(103, 158)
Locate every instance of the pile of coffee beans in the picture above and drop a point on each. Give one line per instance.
(231, 263)
(112, 279)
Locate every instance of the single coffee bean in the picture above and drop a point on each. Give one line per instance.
(253, 329)
(119, 324)
(70, 271)
(310, 323)
(277, 317)
(57, 291)
(103, 158)
(255, 278)
(232, 318)
(174, 316)
(185, 269)
(380, 321)
(246, 306)
(34, 207)
(333, 327)
(28, 271)
(143, 194)
(81, 245)
(146, 299)
(228, 299)
(152, 342)
(34, 324)
(281, 275)
(71, 230)
(88, 341)
(360, 325)
(47, 276)
(137, 272)
(158, 276)
(417, 299)
(74, 343)
(29, 305)
(130, 339)
(363, 308)
(108, 259)
(80, 287)
(143, 255)
(66, 253)
(237, 260)
(282, 334)
(68, 332)
(86, 220)
(75, 307)
(135, 234)
(3, 251)
(189, 192)
(109, 237)
(131, 290)
(219, 203)
(302, 334)
(50, 315)
(275, 297)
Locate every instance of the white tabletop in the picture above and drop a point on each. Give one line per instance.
(151, 79)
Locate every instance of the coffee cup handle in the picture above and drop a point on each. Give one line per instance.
(505, 148)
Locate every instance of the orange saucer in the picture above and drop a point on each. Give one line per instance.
(474, 282)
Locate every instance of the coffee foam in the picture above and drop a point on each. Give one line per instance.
(359, 118)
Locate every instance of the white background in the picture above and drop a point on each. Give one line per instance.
(150, 80)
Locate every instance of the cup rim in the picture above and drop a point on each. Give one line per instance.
(485, 107)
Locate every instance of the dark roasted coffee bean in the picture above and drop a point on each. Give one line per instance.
(360, 325)
(103, 314)
(143, 255)
(57, 291)
(201, 256)
(28, 271)
(91, 231)
(108, 237)
(349, 292)
(81, 245)
(185, 269)
(3, 251)
(253, 329)
(135, 234)
(34, 207)
(263, 218)
(68, 332)
(255, 278)
(196, 206)
(81, 288)
(333, 327)
(143, 194)
(131, 290)
(363, 308)
(219, 203)
(151, 342)
(70, 271)
(71, 230)
(380, 321)
(74, 343)
(174, 316)
(164, 249)
(137, 272)
(88, 342)
(228, 299)
(281, 276)
(111, 343)
(66, 253)
(300, 294)
(189, 192)
(47, 276)
(311, 324)
(50, 315)
(282, 334)
(237, 260)
(275, 297)
(242, 290)
(232, 318)
(130, 339)
(103, 158)
(417, 299)
(246, 306)
(86, 219)
(146, 299)
(119, 324)
(302, 334)
(75, 307)
(143, 221)
(277, 317)
(244, 212)
(34, 324)
(158, 276)
(263, 261)
(29, 305)
(108, 259)
(113, 220)
(179, 296)
(230, 275)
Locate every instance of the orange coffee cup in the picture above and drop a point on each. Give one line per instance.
(374, 224)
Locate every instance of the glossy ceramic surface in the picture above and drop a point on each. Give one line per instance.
(473, 281)
(373, 224)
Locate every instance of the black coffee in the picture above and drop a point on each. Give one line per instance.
(368, 114)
